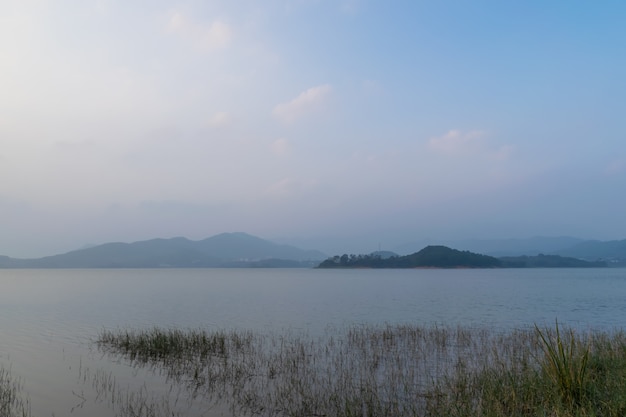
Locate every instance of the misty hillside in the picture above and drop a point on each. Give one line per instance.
(226, 249)
(614, 251)
(595, 249)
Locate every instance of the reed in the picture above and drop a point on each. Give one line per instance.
(12, 402)
(565, 363)
(393, 370)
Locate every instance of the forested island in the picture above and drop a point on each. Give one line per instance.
(444, 257)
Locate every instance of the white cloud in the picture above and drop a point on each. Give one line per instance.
(212, 36)
(473, 142)
(308, 101)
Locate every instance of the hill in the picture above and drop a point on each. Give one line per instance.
(223, 250)
(429, 257)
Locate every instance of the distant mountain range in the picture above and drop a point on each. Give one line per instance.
(223, 250)
(613, 252)
(244, 250)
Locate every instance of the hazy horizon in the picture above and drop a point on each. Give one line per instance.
(331, 246)
(365, 122)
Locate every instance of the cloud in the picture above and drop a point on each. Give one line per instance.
(307, 102)
(473, 142)
(213, 36)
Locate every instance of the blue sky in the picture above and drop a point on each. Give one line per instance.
(345, 124)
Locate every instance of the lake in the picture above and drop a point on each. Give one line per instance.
(49, 318)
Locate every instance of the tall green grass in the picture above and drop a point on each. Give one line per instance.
(565, 363)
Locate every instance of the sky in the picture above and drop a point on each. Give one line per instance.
(340, 125)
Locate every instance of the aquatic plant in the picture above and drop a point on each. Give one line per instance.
(12, 401)
(390, 370)
(565, 363)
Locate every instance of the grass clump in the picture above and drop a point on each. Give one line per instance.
(393, 370)
(565, 364)
(157, 344)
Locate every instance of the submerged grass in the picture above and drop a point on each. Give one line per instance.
(399, 370)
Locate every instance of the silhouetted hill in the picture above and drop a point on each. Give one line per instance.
(6, 262)
(224, 250)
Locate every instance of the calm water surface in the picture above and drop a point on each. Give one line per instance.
(48, 318)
